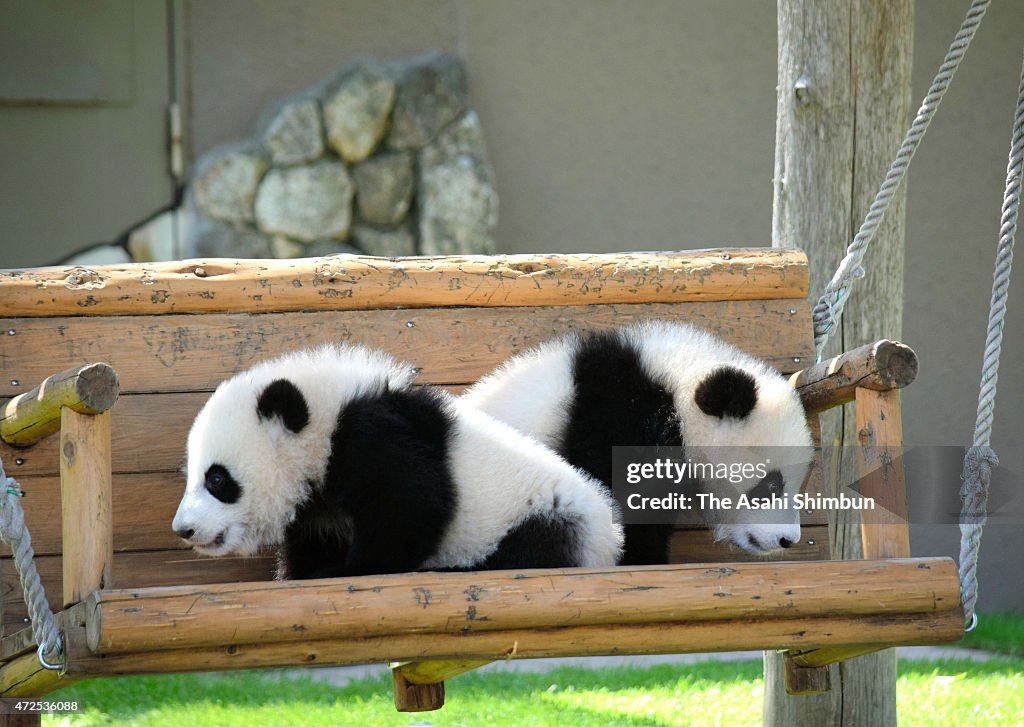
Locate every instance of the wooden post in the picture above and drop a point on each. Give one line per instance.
(85, 496)
(412, 697)
(884, 533)
(843, 104)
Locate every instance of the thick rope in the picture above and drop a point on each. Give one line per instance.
(14, 533)
(980, 459)
(829, 308)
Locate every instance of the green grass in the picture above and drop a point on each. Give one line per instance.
(1002, 633)
(710, 693)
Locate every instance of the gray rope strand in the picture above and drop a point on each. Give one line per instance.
(980, 458)
(829, 308)
(14, 533)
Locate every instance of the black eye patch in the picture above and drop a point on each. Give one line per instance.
(772, 484)
(222, 485)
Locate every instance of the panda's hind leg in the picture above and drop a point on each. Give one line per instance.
(539, 541)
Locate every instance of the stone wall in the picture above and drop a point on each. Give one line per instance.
(383, 158)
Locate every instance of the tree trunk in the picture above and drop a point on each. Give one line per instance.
(843, 106)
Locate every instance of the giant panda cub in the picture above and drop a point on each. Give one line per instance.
(662, 384)
(333, 456)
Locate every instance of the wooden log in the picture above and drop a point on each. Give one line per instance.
(136, 570)
(432, 672)
(880, 366)
(412, 697)
(85, 495)
(360, 283)
(844, 82)
(132, 620)
(817, 658)
(449, 346)
(34, 415)
(565, 640)
(884, 531)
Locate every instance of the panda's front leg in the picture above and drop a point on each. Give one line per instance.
(384, 547)
(301, 558)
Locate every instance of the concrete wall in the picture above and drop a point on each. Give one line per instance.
(83, 108)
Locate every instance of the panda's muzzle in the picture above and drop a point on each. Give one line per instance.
(187, 534)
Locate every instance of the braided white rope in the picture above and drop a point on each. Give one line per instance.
(14, 533)
(980, 458)
(829, 308)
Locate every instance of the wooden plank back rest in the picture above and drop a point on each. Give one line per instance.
(172, 335)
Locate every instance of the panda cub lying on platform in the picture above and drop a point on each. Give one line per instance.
(659, 384)
(333, 456)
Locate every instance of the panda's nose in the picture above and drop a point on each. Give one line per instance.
(185, 533)
(783, 542)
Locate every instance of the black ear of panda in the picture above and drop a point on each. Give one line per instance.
(727, 392)
(283, 399)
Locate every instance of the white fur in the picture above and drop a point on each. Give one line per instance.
(501, 476)
(514, 477)
(531, 392)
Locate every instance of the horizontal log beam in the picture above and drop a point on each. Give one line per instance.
(600, 640)
(35, 415)
(361, 283)
(882, 366)
(134, 620)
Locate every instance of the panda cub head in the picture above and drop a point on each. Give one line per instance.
(747, 416)
(262, 441)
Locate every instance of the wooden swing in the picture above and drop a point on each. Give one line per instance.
(130, 599)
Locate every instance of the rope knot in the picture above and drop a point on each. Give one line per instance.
(978, 465)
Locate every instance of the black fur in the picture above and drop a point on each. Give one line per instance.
(388, 495)
(727, 392)
(617, 403)
(772, 484)
(540, 541)
(283, 399)
(219, 483)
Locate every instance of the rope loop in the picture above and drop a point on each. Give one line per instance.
(14, 533)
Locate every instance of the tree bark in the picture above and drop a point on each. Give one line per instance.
(843, 105)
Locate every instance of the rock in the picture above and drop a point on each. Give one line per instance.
(385, 242)
(306, 203)
(356, 112)
(320, 248)
(282, 247)
(295, 134)
(225, 185)
(384, 186)
(215, 239)
(432, 92)
(458, 205)
(155, 240)
(98, 255)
